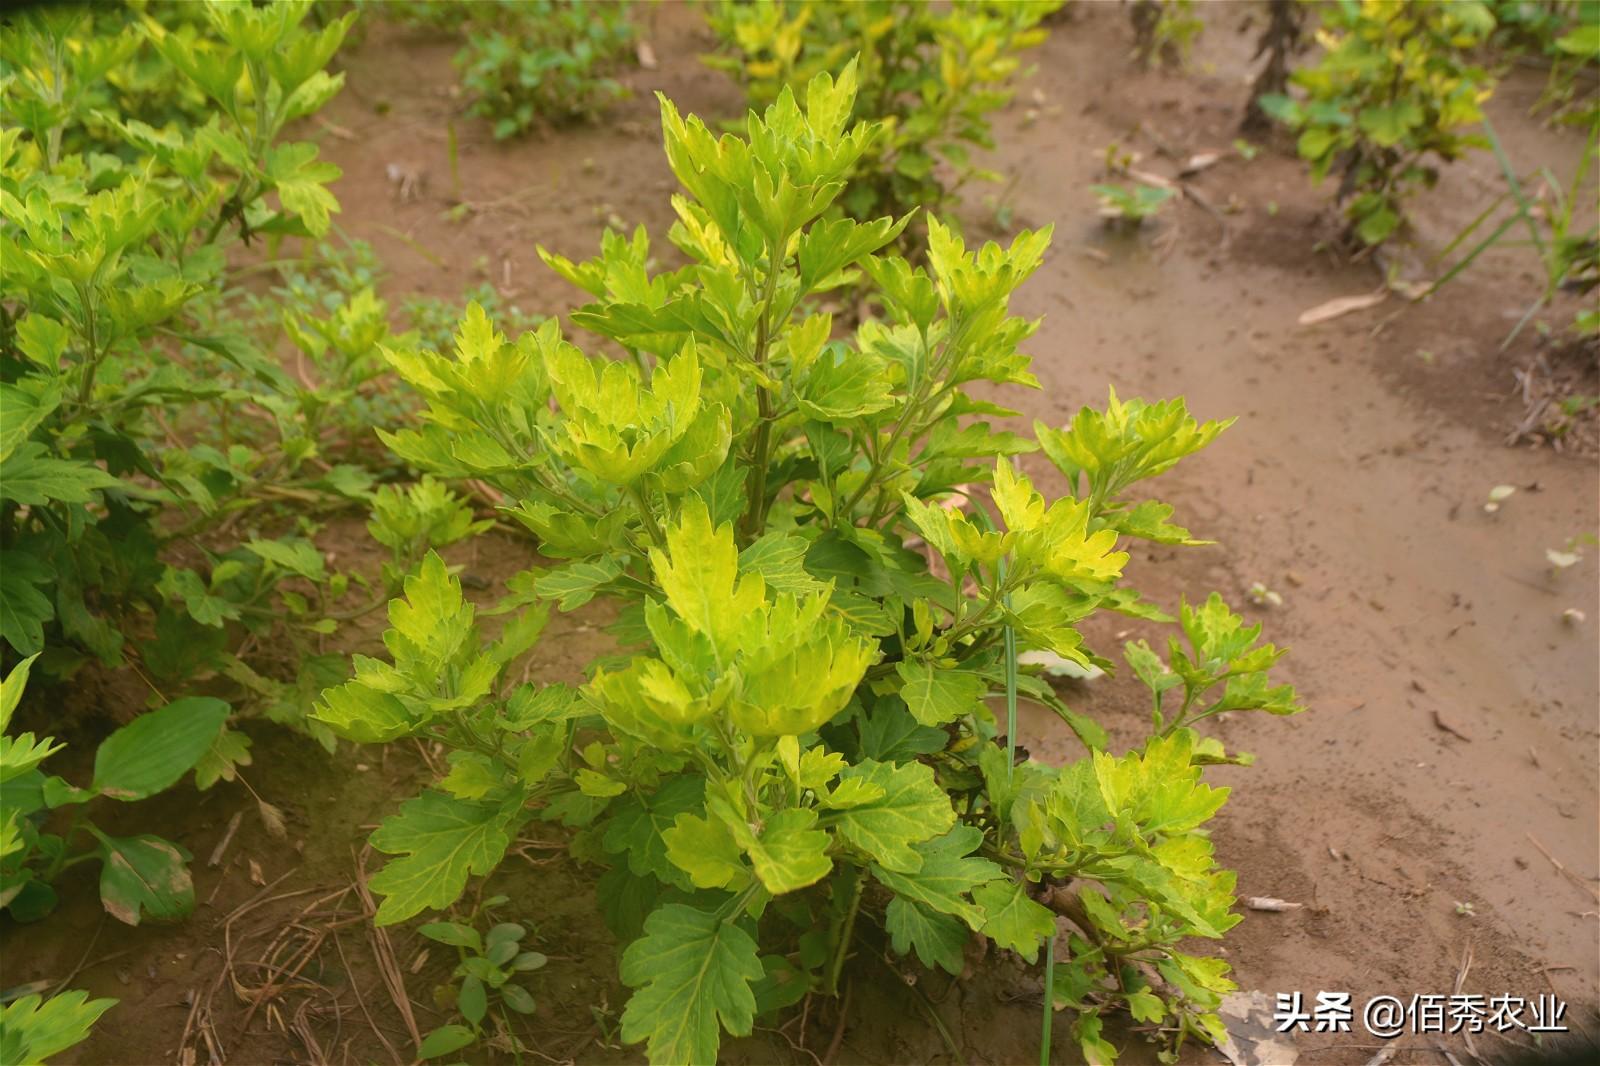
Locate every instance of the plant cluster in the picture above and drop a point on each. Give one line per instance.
(1575, 54)
(1164, 31)
(150, 434)
(529, 63)
(1281, 38)
(484, 980)
(94, 65)
(32, 1027)
(817, 597)
(932, 75)
(1562, 234)
(554, 66)
(1395, 85)
(140, 877)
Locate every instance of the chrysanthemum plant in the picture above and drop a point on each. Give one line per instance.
(817, 600)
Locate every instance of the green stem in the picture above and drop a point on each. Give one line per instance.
(1011, 701)
(761, 451)
(61, 861)
(647, 516)
(1049, 1000)
(845, 931)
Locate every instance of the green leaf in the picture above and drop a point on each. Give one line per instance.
(791, 852)
(455, 934)
(1376, 226)
(505, 933)
(294, 555)
(445, 1040)
(577, 583)
(144, 876)
(473, 775)
(890, 734)
(529, 960)
(1127, 442)
(301, 181)
(20, 755)
(845, 385)
(517, 998)
(153, 751)
(473, 999)
(441, 840)
(180, 585)
(1012, 919)
(1096, 1052)
(1315, 142)
(913, 809)
(23, 608)
(229, 751)
(780, 560)
(363, 714)
(698, 573)
(1159, 787)
(938, 939)
(1148, 521)
(42, 339)
(1146, 1006)
(1389, 125)
(434, 622)
(639, 823)
(22, 410)
(693, 972)
(598, 785)
(945, 874)
(936, 696)
(705, 850)
(1584, 41)
(11, 690)
(32, 476)
(32, 1030)
(827, 247)
(1280, 107)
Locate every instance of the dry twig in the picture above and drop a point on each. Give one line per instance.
(1563, 871)
(383, 951)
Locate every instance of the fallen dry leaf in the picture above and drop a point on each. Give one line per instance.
(1152, 179)
(256, 877)
(271, 819)
(1269, 903)
(1342, 306)
(1198, 162)
(646, 55)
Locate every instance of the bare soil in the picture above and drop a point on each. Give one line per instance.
(1419, 809)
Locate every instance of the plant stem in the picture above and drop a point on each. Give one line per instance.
(846, 930)
(1011, 702)
(60, 861)
(1049, 1000)
(647, 516)
(755, 515)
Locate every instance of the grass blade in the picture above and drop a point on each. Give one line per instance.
(1526, 209)
(1049, 1000)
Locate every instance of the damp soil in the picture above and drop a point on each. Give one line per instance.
(1418, 809)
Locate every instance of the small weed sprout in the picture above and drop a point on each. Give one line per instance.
(1498, 495)
(1130, 205)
